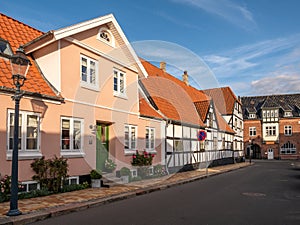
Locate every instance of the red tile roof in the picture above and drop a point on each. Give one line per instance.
(17, 33)
(224, 98)
(147, 110)
(173, 97)
(203, 109)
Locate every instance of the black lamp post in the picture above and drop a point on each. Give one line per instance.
(19, 65)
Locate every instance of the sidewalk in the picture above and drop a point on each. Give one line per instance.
(40, 208)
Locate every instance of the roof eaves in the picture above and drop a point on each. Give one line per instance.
(32, 94)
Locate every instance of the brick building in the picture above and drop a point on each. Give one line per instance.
(272, 126)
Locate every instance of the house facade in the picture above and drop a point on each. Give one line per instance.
(81, 101)
(272, 126)
(230, 108)
(187, 111)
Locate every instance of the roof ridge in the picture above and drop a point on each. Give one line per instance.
(15, 20)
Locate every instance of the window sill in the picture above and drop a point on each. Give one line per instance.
(89, 86)
(24, 155)
(151, 151)
(129, 152)
(70, 154)
(119, 95)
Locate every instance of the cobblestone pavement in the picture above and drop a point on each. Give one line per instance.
(44, 207)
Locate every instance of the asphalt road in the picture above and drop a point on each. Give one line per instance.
(266, 193)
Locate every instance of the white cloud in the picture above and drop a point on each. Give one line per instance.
(226, 9)
(277, 84)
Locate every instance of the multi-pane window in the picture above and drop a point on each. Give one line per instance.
(288, 130)
(252, 131)
(130, 137)
(288, 148)
(271, 131)
(88, 71)
(119, 82)
(71, 134)
(29, 132)
(150, 133)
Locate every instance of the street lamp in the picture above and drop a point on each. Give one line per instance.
(250, 151)
(19, 66)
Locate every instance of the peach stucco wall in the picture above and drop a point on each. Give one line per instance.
(60, 64)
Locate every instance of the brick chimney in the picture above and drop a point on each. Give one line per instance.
(185, 78)
(163, 66)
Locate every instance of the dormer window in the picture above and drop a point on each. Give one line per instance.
(287, 113)
(106, 36)
(5, 47)
(252, 116)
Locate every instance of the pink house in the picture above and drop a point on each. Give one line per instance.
(81, 99)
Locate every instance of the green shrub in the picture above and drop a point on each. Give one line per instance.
(95, 174)
(50, 173)
(124, 171)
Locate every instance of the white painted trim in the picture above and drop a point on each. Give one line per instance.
(59, 63)
(102, 107)
(102, 54)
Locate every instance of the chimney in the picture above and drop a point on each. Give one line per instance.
(185, 78)
(163, 66)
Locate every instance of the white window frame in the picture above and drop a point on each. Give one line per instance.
(270, 131)
(130, 149)
(149, 141)
(252, 130)
(27, 183)
(118, 92)
(288, 130)
(88, 83)
(24, 153)
(72, 152)
(68, 179)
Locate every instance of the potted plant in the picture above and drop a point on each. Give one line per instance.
(110, 166)
(125, 174)
(95, 178)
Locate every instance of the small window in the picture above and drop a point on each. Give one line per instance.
(288, 130)
(5, 47)
(106, 36)
(119, 83)
(252, 131)
(88, 71)
(150, 133)
(287, 113)
(130, 137)
(71, 134)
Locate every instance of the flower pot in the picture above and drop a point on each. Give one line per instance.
(96, 183)
(125, 179)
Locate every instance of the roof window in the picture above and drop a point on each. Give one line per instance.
(5, 47)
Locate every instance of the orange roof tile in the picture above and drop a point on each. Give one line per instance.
(17, 33)
(202, 108)
(224, 98)
(147, 110)
(173, 97)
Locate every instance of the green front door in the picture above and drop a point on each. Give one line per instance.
(102, 146)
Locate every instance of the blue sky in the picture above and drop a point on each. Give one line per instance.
(253, 46)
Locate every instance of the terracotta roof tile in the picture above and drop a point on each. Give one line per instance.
(224, 99)
(147, 110)
(17, 33)
(173, 97)
(202, 108)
